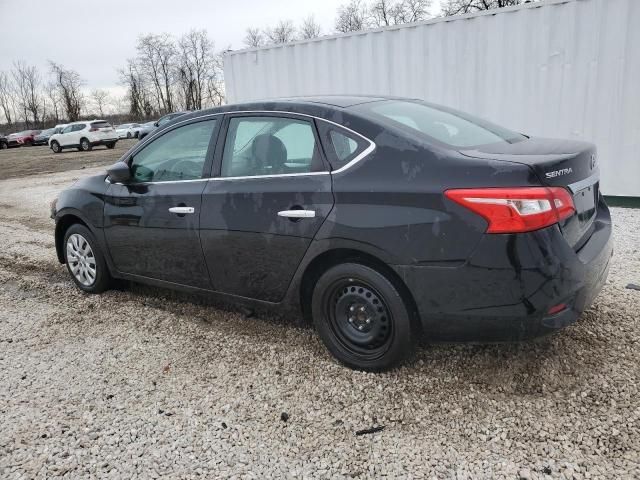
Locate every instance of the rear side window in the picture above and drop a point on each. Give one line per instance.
(257, 146)
(448, 126)
(100, 124)
(78, 127)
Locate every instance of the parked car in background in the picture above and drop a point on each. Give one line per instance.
(24, 138)
(159, 123)
(43, 137)
(128, 130)
(146, 128)
(58, 128)
(84, 136)
(4, 143)
(380, 219)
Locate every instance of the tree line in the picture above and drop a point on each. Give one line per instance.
(357, 15)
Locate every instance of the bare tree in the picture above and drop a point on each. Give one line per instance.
(197, 64)
(282, 32)
(413, 11)
(310, 28)
(156, 55)
(100, 99)
(394, 12)
(352, 17)
(137, 90)
(456, 7)
(68, 83)
(54, 100)
(27, 83)
(254, 38)
(7, 98)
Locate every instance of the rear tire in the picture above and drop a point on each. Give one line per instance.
(128, 134)
(111, 145)
(55, 146)
(362, 318)
(85, 145)
(85, 261)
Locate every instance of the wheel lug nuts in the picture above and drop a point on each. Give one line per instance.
(352, 309)
(350, 319)
(360, 327)
(368, 320)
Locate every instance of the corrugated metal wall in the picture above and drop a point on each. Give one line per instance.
(559, 68)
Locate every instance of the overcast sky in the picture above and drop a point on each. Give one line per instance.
(95, 37)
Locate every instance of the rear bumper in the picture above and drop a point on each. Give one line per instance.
(504, 291)
(103, 141)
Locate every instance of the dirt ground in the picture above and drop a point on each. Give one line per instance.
(26, 161)
(144, 383)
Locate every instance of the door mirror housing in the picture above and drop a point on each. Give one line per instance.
(119, 172)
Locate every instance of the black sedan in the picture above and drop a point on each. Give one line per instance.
(43, 137)
(380, 219)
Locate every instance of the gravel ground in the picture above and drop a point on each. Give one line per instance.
(143, 383)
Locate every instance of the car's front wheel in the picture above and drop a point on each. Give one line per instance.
(3, 146)
(85, 261)
(85, 145)
(55, 146)
(362, 318)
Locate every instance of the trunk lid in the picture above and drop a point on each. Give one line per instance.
(558, 163)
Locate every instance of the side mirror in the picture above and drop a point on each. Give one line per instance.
(119, 172)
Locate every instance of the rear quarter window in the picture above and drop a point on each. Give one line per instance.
(100, 124)
(341, 146)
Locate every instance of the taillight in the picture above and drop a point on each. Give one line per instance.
(94, 129)
(518, 209)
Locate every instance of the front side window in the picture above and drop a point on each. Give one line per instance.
(448, 126)
(179, 154)
(258, 146)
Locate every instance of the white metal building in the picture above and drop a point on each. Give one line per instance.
(560, 68)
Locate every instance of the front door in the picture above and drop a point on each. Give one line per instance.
(152, 222)
(270, 195)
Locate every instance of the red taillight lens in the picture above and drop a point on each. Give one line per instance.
(94, 129)
(518, 209)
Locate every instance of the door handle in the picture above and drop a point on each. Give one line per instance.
(297, 213)
(182, 210)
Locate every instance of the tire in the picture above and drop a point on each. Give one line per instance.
(136, 134)
(362, 318)
(3, 146)
(128, 134)
(85, 145)
(111, 145)
(88, 279)
(55, 146)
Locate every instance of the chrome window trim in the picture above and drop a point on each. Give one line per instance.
(372, 146)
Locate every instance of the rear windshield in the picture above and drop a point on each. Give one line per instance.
(99, 124)
(448, 126)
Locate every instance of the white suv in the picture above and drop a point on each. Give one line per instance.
(84, 136)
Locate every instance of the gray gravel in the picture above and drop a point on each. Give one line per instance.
(146, 383)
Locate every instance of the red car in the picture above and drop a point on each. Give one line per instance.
(22, 138)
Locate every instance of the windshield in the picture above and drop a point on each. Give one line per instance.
(448, 126)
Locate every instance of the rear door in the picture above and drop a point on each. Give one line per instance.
(66, 136)
(270, 194)
(152, 222)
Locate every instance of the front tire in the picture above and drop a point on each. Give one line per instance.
(3, 146)
(55, 146)
(85, 145)
(362, 318)
(85, 261)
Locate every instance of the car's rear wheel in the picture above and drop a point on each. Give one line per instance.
(55, 146)
(362, 318)
(128, 134)
(85, 145)
(85, 261)
(111, 145)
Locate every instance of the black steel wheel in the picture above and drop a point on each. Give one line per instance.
(85, 145)
(362, 318)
